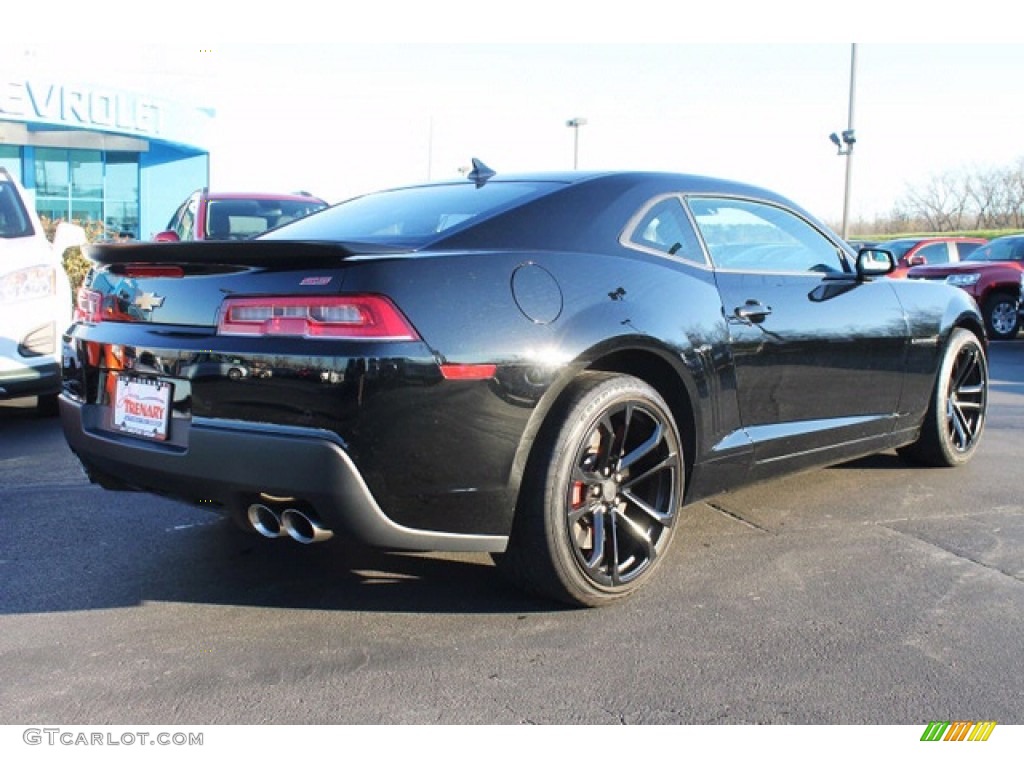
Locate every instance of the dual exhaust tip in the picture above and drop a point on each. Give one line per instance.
(297, 523)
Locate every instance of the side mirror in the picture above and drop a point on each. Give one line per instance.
(68, 235)
(167, 236)
(917, 260)
(874, 262)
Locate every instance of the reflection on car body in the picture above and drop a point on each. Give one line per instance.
(544, 367)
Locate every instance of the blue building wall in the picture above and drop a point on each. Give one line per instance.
(167, 177)
(59, 113)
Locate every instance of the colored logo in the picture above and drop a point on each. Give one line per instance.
(958, 730)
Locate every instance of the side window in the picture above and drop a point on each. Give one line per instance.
(751, 236)
(13, 220)
(666, 228)
(186, 228)
(175, 221)
(936, 253)
(966, 249)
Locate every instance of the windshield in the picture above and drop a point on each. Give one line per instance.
(1006, 249)
(411, 217)
(14, 221)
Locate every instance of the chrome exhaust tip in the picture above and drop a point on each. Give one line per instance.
(265, 521)
(304, 528)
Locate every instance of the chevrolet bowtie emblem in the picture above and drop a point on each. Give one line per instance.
(147, 302)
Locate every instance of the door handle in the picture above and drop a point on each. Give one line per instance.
(753, 311)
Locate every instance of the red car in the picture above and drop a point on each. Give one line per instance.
(993, 275)
(910, 252)
(209, 215)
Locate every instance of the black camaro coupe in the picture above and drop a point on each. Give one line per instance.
(544, 367)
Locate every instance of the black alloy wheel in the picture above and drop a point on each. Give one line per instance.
(955, 420)
(600, 501)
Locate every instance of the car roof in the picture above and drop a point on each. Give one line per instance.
(557, 214)
(258, 196)
(938, 239)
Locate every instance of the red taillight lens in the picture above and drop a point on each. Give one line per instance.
(462, 372)
(331, 317)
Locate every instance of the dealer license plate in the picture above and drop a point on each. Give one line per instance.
(142, 407)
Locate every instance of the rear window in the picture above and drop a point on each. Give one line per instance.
(414, 216)
(14, 221)
(240, 219)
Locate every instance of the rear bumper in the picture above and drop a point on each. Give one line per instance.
(227, 465)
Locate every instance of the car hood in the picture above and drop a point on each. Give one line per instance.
(20, 252)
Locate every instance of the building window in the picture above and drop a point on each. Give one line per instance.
(89, 186)
(10, 158)
(121, 193)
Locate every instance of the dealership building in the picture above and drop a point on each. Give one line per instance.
(92, 153)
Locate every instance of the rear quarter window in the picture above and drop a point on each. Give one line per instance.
(413, 216)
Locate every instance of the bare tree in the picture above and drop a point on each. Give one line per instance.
(941, 203)
(987, 190)
(991, 198)
(1014, 194)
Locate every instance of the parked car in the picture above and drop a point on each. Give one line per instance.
(209, 215)
(993, 275)
(544, 367)
(35, 298)
(917, 251)
(207, 365)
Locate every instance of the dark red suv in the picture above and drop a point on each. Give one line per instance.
(209, 215)
(917, 251)
(993, 275)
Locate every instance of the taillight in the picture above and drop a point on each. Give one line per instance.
(332, 317)
(27, 284)
(148, 270)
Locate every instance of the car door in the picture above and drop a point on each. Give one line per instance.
(818, 354)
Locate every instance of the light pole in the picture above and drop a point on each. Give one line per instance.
(845, 144)
(575, 124)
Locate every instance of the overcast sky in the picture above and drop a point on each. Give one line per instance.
(339, 117)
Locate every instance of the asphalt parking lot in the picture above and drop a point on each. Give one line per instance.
(864, 593)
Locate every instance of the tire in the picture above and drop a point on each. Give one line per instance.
(47, 406)
(601, 494)
(955, 419)
(1002, 320)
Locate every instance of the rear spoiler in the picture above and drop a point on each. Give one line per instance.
(246, 253)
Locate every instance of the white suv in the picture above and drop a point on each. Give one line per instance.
(35, 298)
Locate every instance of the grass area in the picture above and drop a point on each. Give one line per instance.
(988, 234)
